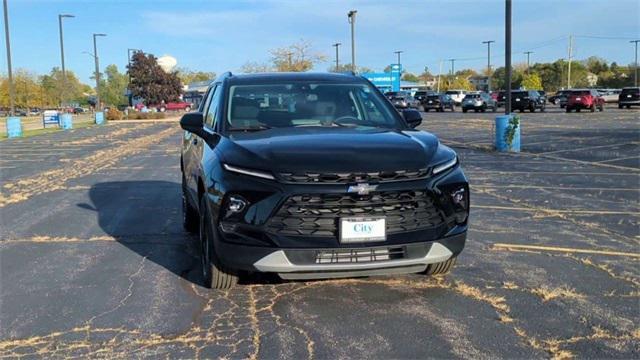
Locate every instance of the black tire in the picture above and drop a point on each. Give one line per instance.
(628, 106)
(426, 109)
(440, 268)
(601, 109)
(495, 108)
(464, 110)
(441, 109)
(190, 216)
(543, 108)
(592, 108)
(214, 274)
(567, 110)
(578, 110)
(620, 106)
(532, 109)
(484, 108)
(453, 108)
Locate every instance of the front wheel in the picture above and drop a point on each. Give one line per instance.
(620, 106)
(440, 268)
(214, 274)
(453, 108)
(464, 110)
(601, 109)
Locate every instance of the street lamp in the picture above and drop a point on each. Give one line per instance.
(488, 42)
(95, 57)
(64, 71)
(12, 94)
(528, 53)
(336, 45)
(352, 20)
(453, 61)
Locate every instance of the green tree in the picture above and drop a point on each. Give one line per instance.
(347, 68)
(150, 82)
(113, 86)
(28, 92)
(449, 82)
(54, 87)
(531, 81)
(189, 76)
(410, 77)
(255, 67)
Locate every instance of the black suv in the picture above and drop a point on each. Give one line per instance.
(422, 95)
(527, 100)
(629, 96)
(317, 176)
(438, 102)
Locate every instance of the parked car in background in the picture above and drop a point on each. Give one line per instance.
(78, 110)
(479, 102)
(438, 102)
(169, 106)
(609, 95)
(543, 95)
(559, 98)
(526, 100)
(456, 95)
(422, 95)
(501, 98)
(391, 94)
(405, 102)
(629, 96)
(584, 99)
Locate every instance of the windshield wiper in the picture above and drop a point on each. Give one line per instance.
(251, 128)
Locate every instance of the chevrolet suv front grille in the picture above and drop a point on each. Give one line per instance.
(319, 214)
(346, 178)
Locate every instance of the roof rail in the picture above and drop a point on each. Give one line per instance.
(226, 74)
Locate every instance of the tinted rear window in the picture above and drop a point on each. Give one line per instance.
(452, 92)
(472, 96)
(520, 93)
(433, 97)
(635, 91)
(581, 93)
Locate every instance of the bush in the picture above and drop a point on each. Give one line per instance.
(137, 115)
(114, 114)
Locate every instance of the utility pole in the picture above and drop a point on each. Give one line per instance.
(452, 66)
(352, 20)
(528, 53)
(12, 94)
(488, 42)
(289, 60)
(337, 45)
(95, 57)
(64, 71)
(569, 66)
(635, 63)
(507, 56)
(398, 53)
(439, 72)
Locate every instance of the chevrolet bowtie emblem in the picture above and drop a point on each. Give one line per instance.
(362, 189)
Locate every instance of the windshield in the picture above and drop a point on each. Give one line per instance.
(258, 107)
(452, 92)
(630, 91)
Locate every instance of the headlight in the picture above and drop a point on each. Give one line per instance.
(255, 173)
(445, 166)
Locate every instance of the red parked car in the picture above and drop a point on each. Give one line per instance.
(584, 99)
(175, 106)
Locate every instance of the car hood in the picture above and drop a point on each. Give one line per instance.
(299, 150)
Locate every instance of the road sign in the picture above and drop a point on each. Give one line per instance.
(50, 117)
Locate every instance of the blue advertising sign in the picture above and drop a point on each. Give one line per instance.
(386, 81)
(66, 120)
(14, 127)
(99, 118)
(50, 117)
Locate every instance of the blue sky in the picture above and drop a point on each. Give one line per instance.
(223, 35)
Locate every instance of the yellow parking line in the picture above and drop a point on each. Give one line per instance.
(557, 211)
(589, 148)
(565, 249)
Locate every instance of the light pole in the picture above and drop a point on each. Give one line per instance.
(452, 66)
(64, 71)
(12, 95)
(635, 63)
(95, 57)
(528, 53)
(337, 45)
(352, 20)
(488, 42)
(507, 56)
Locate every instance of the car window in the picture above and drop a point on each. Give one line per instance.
(302, 104)
(207, 98)
(210, 116)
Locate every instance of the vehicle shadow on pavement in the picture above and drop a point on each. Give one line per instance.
(145, 217)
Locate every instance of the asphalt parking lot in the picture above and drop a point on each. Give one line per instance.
(94, 261)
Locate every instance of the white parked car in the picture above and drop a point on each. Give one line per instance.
(610, 95)
(456, 95)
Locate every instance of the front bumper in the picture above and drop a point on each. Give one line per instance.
(629, 102)
(302, 264)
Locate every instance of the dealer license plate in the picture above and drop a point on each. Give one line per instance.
(359, 230)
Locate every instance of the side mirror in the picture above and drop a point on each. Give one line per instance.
(193, 123)
(412, 117)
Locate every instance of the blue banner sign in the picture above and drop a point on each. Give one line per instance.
(14, 127)
(386, 81)
(50, 117)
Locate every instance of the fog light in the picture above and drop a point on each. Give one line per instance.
(236, 204)
(461, 203)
